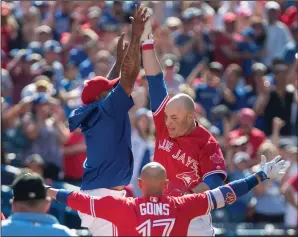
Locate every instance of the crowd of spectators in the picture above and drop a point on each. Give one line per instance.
(236, 59)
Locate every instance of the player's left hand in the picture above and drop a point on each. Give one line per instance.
(122, 47)
(274, 168)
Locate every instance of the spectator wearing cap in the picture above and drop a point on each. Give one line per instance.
(71, 87)
(226, 42)
(291, 48)
(20, 73)
(239, 168)
(93, 19)
(35, 163)
(142, 145)
(208, 93)
(278, 33)
(246, 128)
(90, 49)
(40, 84)
(172, 78)
(190, 42)
(45, 128)
(278, 102)
(30, 206)
(43, 34)
(52, 50)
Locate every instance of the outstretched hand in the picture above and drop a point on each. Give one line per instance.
(274, 168)
(139, 20)
(122, 47)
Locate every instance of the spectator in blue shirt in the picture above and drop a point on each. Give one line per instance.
(248, 49)
(71, 85)
(105, 123)
(291, 48)
(190, 43)
(233, 95)
(52, 50)
(208, 93)
(113, 14)
(30, 206)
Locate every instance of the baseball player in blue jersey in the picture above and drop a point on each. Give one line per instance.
(105, 124)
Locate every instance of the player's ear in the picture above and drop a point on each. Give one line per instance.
(166, 184)
(140, 183)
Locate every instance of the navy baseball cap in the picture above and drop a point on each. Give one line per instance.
(28, 187)
(52, 46)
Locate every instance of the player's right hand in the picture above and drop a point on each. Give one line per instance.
(274, 168)
(147, 34)
(139, 20)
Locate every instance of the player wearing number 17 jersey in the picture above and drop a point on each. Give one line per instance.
(190, 154)
(157, 214)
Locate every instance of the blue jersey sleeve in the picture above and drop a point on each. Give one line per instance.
(158, 98)
(117, 103)
(228, 194)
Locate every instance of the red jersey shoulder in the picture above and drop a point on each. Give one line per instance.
(258, 133)
(202, 135)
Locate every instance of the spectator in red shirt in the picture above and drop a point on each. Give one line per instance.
(226, 42)
(255, 136)
(290, 191)
(74, 156)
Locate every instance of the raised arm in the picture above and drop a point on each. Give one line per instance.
(157, 87)
(200, 204)
(132, 60)
(101, 207)
(122, 46)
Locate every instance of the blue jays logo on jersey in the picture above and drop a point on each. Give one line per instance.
(230, 198)
(188, 177)
(217, 159)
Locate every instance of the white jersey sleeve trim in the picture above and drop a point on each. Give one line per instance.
(215, 172)
(161, 106)
(219, 198)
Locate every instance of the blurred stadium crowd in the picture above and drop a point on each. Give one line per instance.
(236, 59)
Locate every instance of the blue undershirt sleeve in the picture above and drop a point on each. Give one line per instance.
(214, 180)
(62, 196)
